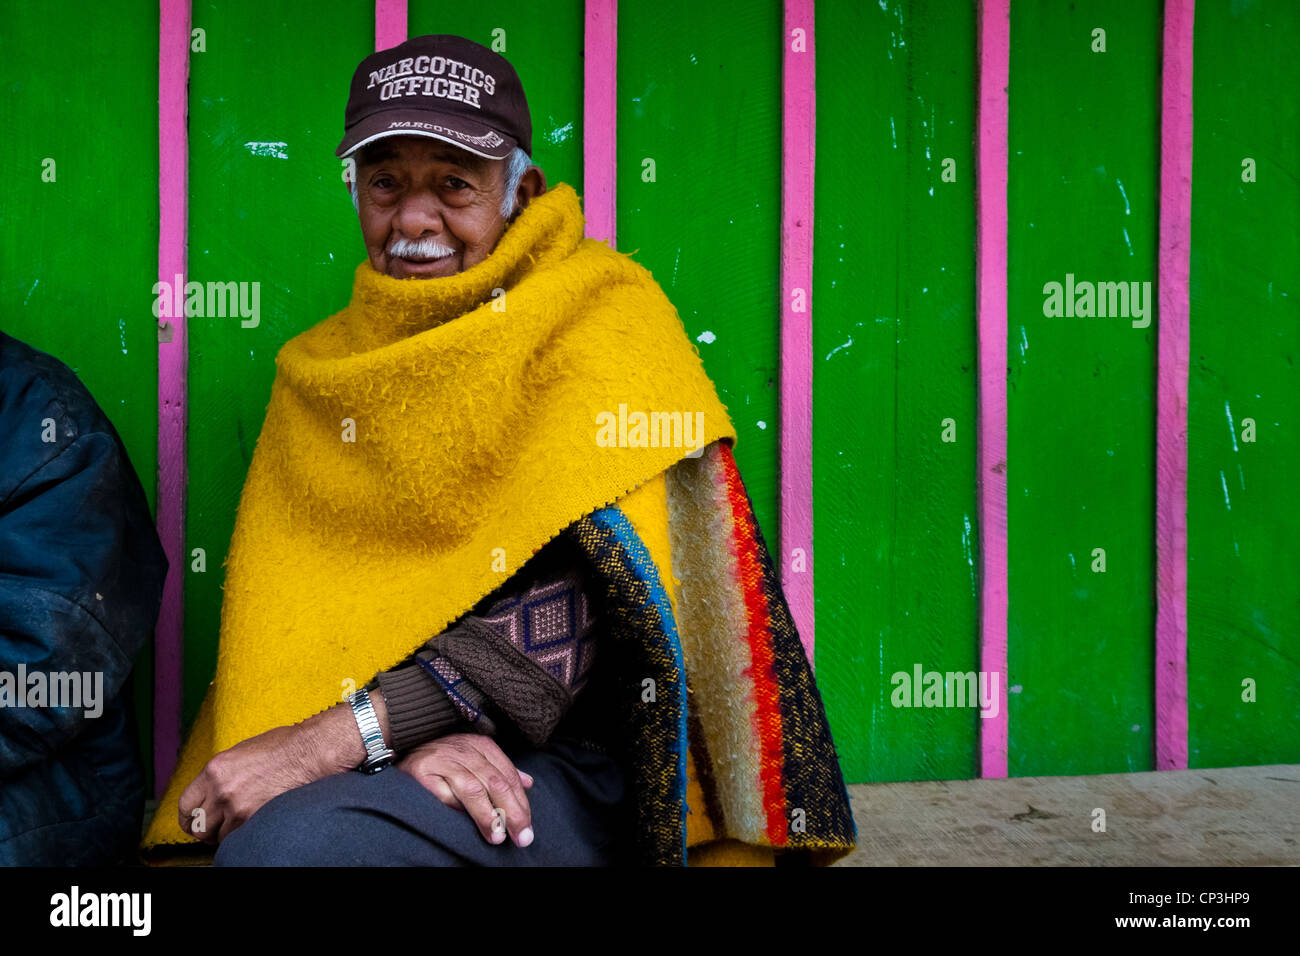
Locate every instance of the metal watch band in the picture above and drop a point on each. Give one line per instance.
(378, 755)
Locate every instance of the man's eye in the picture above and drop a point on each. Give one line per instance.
(455, 179)
(383, 182)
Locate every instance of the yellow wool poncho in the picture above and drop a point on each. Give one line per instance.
(419, 446)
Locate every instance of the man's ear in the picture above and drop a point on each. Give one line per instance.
(531, 185)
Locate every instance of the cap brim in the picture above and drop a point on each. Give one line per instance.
(466, 134)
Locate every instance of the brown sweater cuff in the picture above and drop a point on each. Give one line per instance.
(518, 685)
(418, 709)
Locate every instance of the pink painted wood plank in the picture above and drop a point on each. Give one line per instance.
(1174, 350)
(599, 119)
(390, 23)
(798, 166)
(991, 316)
(173, 362)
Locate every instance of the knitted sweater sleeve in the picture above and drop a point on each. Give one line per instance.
(523, 655)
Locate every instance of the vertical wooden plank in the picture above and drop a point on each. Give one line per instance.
(894, 402)
(991, 191)
(173, 207)
(1083, 202)
(390, 23)
(81, 167)
(1243, 418)
(699, 194)
(1171, 382)
(798, 162)
(600, 119)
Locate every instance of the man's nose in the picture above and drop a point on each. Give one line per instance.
(418, 215)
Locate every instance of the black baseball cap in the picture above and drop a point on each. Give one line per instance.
(441, 86)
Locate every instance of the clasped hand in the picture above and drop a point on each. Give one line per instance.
(467, 772)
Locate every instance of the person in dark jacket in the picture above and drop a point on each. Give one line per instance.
(81, 579)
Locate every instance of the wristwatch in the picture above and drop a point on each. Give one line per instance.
(378, 755)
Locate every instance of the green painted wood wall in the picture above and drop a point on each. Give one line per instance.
(1243, 573)
(1083, 199)
(897, 547)
(896, 530)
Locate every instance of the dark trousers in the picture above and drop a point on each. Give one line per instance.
(390, 819)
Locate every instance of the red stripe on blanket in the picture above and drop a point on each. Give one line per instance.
(762, 672)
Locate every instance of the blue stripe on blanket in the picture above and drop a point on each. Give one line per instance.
(616, 521)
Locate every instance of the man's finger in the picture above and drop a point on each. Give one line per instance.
(191, 798)
(490, 749)
(438, 786)
(474, 795)
(432, 781)
(517, 812)
(505, 789)
(207, 824)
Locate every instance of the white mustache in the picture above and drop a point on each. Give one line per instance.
(426, 248)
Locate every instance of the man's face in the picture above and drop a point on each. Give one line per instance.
(416, 188)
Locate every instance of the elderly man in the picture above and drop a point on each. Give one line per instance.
(432, 509)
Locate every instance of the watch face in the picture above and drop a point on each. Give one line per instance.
(376, 764)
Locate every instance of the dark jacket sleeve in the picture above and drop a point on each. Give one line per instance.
(81, 567)
(522, 656)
